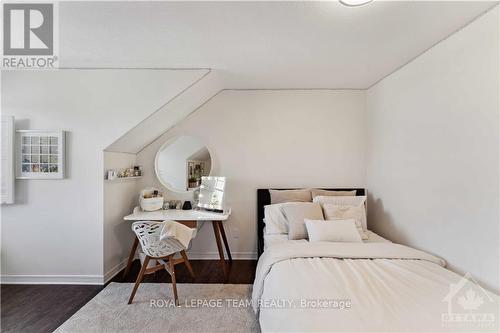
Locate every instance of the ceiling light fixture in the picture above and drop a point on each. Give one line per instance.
(354, 3)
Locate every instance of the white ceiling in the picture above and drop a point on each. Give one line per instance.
(260, 44)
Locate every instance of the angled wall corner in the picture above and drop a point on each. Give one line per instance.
(121, 197)
(169, 114)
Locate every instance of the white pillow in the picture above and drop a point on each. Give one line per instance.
(332, 193)
(296, 212)
(333, 231)
(275, 220)
(341, 200)
(358, 213)
(281, 196)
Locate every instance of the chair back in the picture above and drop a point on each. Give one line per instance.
(149, 235)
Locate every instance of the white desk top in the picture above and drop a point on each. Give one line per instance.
(177, 215)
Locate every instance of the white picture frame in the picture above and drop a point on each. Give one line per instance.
(40, 154)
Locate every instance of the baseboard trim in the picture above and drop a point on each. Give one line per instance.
(99, 279)
(52, 279)
(115, 270)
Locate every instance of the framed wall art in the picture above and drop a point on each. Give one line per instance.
(40, 154)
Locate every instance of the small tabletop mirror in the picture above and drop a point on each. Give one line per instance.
(212, 193)
(181, 163)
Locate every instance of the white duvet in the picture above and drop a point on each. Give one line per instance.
(362, 287)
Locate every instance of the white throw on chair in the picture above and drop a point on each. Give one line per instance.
(160, 241)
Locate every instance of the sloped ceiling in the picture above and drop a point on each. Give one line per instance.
(249, 45)
(167, 116)
(116, 100)
(261, 44)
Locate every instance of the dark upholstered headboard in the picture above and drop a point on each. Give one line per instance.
(264, 198)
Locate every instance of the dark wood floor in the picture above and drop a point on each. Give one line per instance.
(43, 308)
(206, 271)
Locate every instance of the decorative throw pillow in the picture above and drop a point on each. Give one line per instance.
(344, 201)
(327, 193)
(333, 231)
(337, 212)
(281, 196)
(296, 212)
(275, 220)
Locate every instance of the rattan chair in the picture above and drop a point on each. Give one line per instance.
(160, 249)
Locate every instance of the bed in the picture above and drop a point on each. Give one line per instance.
(373, 286)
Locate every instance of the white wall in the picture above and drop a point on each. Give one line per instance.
(54, 231)
(433, 161)
(120, 198)
(271, 139)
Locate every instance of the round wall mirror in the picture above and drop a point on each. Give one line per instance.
(181, 162)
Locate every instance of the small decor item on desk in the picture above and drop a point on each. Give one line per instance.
(196, 196)
(151, 199)
(187, 205)
(212, 193)
(174, 204)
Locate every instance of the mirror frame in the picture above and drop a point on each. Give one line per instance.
(169, 141)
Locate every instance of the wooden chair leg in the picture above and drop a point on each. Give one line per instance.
(139, 279)
(187, 263)
(172, 274)
(130, 257)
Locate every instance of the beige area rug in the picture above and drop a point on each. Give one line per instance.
(203, 308)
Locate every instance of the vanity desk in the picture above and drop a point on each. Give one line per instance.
(192, 218)
(183, 165)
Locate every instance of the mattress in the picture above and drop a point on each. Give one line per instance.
(377, 286)
(272, 239)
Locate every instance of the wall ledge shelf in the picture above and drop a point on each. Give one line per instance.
(121, 179)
